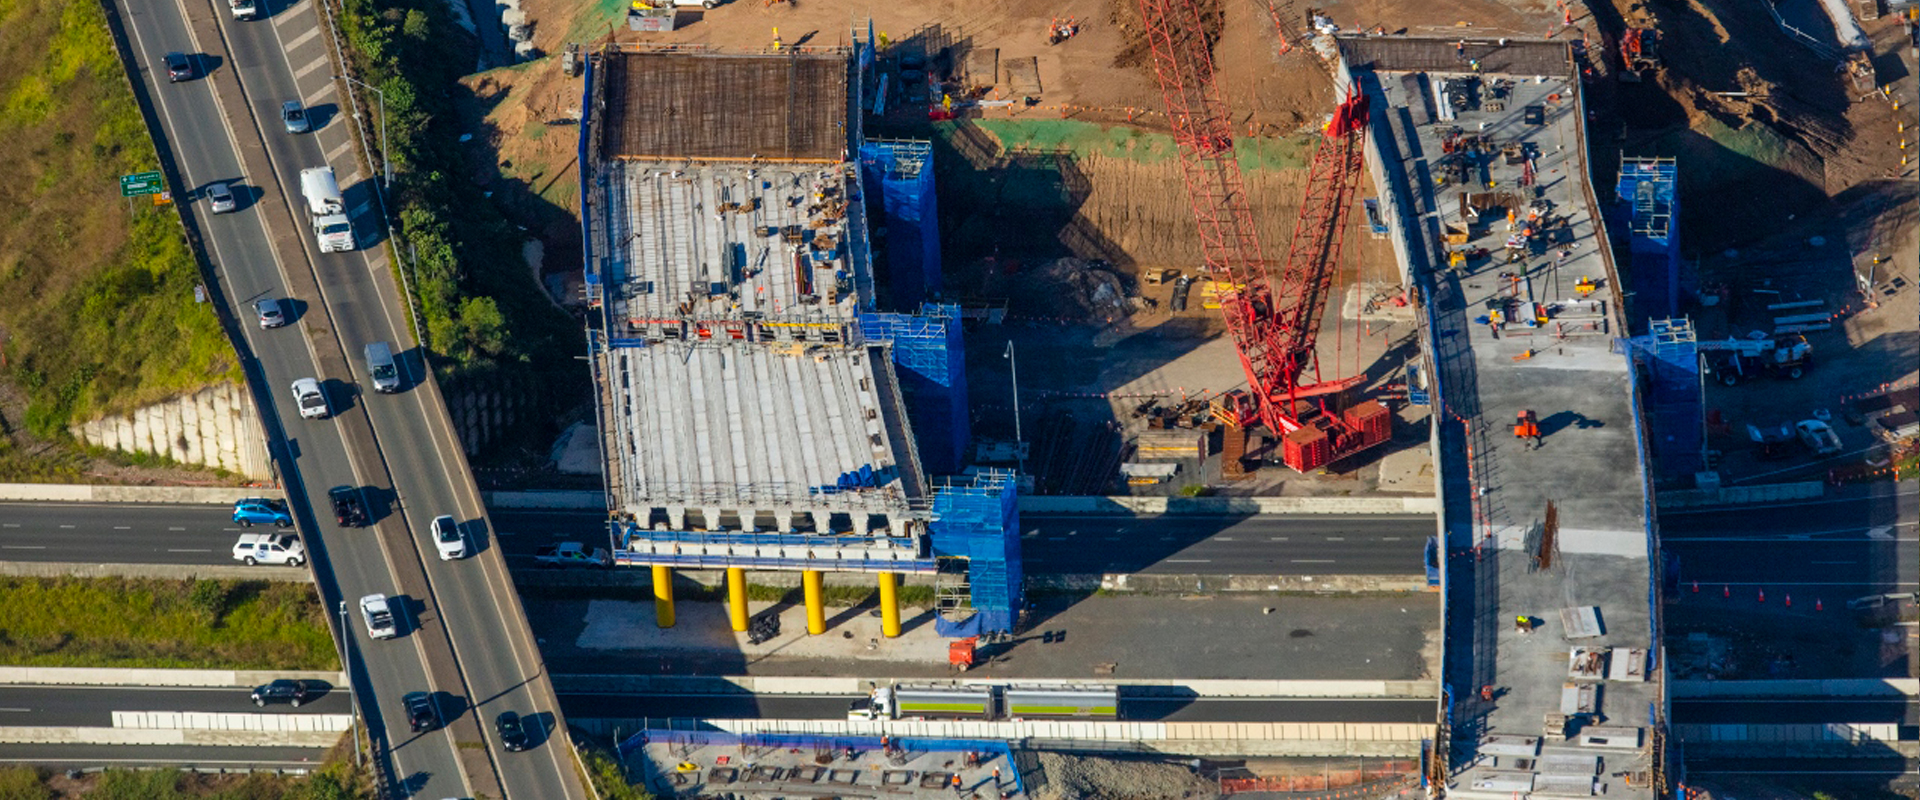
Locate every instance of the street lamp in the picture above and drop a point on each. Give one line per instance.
(346, 668)
(386, 164)
(1019, 442)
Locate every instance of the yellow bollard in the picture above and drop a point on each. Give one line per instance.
(663, 595)
(889, 607)
(816, 606)
(737, 597)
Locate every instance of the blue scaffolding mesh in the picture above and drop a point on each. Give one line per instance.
(933, 378)
(1647, 207)
(1671, 398)
(904, 172)
(979, 519)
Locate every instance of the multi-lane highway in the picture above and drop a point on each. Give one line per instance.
(1797, 710)
(1839, 547)
(93, 706)
(1053, 544)
(1139, 709)
(225, 127)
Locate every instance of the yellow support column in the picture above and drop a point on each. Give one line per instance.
(663, 595)
(737, 597)
(889, 607)
(816, 606)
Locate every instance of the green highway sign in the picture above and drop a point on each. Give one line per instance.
(141, 183)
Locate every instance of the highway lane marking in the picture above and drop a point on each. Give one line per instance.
(309, 68)
(173, 550)
(1336, 538)
(23, 547)
(1313, 561)
(1276, 538)
(291, 15)
(334, 155)
(66, 527)
(175, 528)
(1389, 538)
(13, 524)
(1189, 561)
(303, 38)
(315, 98)
(1223, 538)
(123, 527)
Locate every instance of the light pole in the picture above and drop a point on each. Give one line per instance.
(1019, 442)
(386, 164)
(346, 668)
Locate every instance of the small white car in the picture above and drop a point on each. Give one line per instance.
(449, 539)
(1818, 437)
(220, 196)
(378, 614)
(313, 401)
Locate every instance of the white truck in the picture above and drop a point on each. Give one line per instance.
(244, 9)
(327, 209)
(572, 554)
(270, 548)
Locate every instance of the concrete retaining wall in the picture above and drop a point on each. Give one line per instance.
(75, 676)
(1148, 583)
(700, 684)
(1228, 506)
(214, 427)
(1176, 738)
(139, 736)
(1741, 495)
(82, 493)
(1832, 740)
(62, 569)
(1855, 687)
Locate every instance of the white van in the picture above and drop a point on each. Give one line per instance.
(386, 375)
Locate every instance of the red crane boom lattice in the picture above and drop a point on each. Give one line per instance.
(1274, 320)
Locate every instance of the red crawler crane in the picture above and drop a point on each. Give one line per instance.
(1274, 318)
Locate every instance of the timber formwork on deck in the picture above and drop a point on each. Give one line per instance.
(726, 107)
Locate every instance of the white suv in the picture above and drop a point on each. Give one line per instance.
(449, 539)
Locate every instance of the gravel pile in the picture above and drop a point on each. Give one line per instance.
(1070, 777)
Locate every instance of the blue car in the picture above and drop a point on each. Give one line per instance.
(261, 511)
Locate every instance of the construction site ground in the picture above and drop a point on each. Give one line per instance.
(1098, 637)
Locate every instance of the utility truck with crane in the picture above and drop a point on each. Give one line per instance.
(1732, 361)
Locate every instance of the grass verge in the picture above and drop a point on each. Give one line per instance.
(96, 292)
(142, 623)
(605, 775)
(333, 781)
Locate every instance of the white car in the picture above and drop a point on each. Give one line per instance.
(313, 401)
(1818, 436)
(449, 539)
(378, 614)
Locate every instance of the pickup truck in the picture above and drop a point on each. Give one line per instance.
(270, 548)
(572, 554)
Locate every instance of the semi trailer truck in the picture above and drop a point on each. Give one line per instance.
(987, 702)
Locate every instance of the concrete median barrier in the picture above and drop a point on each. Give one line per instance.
(817, 687)
(139, 736)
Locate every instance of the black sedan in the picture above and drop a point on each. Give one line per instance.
(513, 731)
(283, 691)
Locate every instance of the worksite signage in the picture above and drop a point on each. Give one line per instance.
(140, 183)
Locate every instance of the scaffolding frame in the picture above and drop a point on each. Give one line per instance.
(1647, 204)
(931, 354)
(977, 518)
